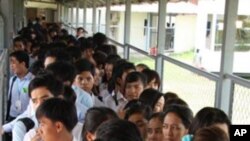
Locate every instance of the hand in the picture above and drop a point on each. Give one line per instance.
(1, 131)
(37, 137)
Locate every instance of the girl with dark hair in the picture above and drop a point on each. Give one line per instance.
(93, 118)
(177, 120)
(153, 98)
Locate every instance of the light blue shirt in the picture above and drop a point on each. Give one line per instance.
(81, 111)
(20, 97)
(83, 97)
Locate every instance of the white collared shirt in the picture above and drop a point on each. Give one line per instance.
(110, 102)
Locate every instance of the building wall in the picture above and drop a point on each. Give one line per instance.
(185, 27)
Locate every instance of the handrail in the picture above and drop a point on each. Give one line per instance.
(115, 42)
(211, 76)
(238, 80)
(140, 51)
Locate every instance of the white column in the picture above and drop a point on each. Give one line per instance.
(77, 14)
(224, 95)
(94, 17)
(127, 28)
(107, 26)
(159, 64)
(85, 14)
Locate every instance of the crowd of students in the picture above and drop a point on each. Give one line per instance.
(77, 88)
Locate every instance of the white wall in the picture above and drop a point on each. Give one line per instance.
(185, 27)
(137, 37)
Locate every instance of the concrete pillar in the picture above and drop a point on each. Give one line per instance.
(107, 25)
(94, 17)
(85, 14)
(77, 14)
(127, 28)
(6, 7)
(225, 92)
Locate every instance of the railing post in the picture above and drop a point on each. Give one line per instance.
(127, 28)
(224, 96)
(126, 51)
(159, 67)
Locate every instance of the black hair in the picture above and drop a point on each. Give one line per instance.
(211, 133)
(183, 112)
(86, 43)
(174, 101)
(59, 53)
(81, 28)
(136, 76)
(118, 70)
(49, 81)
(99, 39)
(100, 58)
(170, 95)
(112, 59)
(108, 49)
(118, 130)
(18, 39)
(69, 94)
(63, 71)
(57, 109)
(74, 52)
(144, 66)
(36, 67)
(136, 106)
(150, 97)
(158, 116)
(84, 65)
(208, 116)
(151, 75)
(96, 116)
(21, 56)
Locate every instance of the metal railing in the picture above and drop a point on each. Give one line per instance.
(197, 87)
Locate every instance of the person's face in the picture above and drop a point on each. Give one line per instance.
(123, 78)
(133, 90)
(159, 105)
(85, 80)
(97, 76)
(88, 53)
(140, 122)
(16, 66)
(152, 84)
(48, 130)
(39, 95)
(173, 128)
(154, 130)
(18, 45)
(108, 70)
(49, 60)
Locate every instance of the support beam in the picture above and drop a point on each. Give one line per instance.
(127, 28)
(161, 37)
(161, 34)
(107, 25)
(6, 8)
(72, 19)
(77, 14)
(94, 17)
(85, 14)
(213, 32)
(225, 92)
